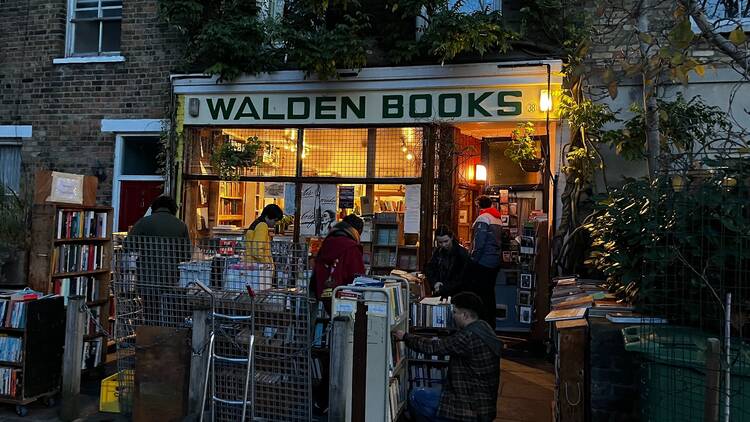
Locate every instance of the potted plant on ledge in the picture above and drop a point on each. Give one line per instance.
(522, 149)
(229, 158)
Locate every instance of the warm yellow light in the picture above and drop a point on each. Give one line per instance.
(545, 100)
(404, 149)
(303, 154)
(480, 173)
(294, 148)
(409, 156)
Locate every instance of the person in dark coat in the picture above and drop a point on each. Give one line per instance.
(160, 241)
(445, 270)
(469, 393)
(486, 256)
(340, 258)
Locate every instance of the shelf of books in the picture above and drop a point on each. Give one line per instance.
(431, 317)
(386, 239)
(231, 203)
(385, 302)
(71, 255)
(32, 335)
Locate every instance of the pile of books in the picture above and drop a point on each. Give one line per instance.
(9, 380)
(396, 398)
(398, 353)
(573, 298)
(13, 307)
(81, 224)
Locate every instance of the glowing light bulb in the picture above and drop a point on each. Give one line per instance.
(403, 148)
(409, 156)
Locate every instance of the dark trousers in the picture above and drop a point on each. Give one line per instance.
(482, 283)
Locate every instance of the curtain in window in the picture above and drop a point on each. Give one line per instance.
(10, 166)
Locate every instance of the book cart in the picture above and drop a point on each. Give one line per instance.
(71, 254)
(362, 348)
(32, 338)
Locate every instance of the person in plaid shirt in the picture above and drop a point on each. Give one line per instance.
(469, 394)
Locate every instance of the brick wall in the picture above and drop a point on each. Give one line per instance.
(65, 103)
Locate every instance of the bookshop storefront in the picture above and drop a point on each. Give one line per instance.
(364, 144)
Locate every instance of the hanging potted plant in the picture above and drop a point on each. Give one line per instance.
(522, 149)
(229, 158)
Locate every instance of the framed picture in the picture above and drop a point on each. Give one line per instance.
(504, 220)
(527, 281)
(507, 257)
(524, 297)
(524, 314)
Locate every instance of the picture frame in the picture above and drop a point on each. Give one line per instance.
(524, 314)
(524, 297)
(526, 281)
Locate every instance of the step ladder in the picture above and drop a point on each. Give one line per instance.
(213, 358)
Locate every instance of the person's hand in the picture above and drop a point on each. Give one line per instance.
(399, 334)
(436, 289)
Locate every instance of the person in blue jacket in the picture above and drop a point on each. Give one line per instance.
(486, 256)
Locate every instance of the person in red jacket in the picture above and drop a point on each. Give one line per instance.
(338, 262)
(339, 259)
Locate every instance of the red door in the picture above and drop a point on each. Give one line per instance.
(135, 199)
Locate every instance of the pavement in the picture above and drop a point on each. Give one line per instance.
(526, 391)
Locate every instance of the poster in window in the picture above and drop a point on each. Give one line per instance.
(273, 190)
(413, 207)
(346, 197)
(289, 198)
(317, 209)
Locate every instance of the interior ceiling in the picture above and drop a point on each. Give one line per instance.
(481, 130)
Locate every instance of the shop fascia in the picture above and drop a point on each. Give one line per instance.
(433, 94)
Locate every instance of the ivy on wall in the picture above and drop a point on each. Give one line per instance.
(229, 38)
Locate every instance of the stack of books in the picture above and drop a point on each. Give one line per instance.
(10, 348)
(431, 312)
(72, 224)
(92, 353)
(77, 286)
(9, 381)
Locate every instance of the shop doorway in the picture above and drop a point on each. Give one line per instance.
(135, 199)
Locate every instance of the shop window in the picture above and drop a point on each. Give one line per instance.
(278, 150)
(140, 156)
(335, 153)
(10, 166)
(273, 9)
(94, 27)
(398, 152)
(502, 171)
(726, 14)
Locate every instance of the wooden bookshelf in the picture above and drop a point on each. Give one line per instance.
(72, 246)
(231, 204)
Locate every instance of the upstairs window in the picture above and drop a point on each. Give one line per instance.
(94, 27)
(272, 9)
(726, 15)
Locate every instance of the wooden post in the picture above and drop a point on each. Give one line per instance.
(713, 381)
(339, 379)
(72, 358)
(198, 361)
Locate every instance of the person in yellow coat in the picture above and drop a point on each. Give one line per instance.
(257, 237)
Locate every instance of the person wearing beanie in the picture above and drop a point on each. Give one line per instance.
(469, 394)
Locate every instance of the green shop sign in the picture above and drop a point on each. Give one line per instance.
(369, 107)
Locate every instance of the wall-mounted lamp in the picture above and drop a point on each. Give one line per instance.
(194, 107)
(480, 173)
(545, 100)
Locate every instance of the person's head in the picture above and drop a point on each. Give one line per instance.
(466, 308)
(355, 221)
(444, 237)
(166, 202)
(271, 214)
(484, 202)
(328, 217)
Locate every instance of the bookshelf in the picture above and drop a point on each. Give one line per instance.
(71, 255)
(384, 303)
(432, 318)
(32, 336)
(387, 236)
(231, 204)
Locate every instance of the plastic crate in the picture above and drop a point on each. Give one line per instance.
(237, 277)
(109, 396)
(195, 271)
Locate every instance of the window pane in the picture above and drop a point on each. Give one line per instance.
(86, 14)
(112, 13)
(139, 155)
(398, 152)
(335, 153)
(84, 4)
(111, 35)
(86, 37)
(10, 166)
(108, 3)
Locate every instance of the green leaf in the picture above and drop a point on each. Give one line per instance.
(645, 38)
(682, 34)
(738, 36)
